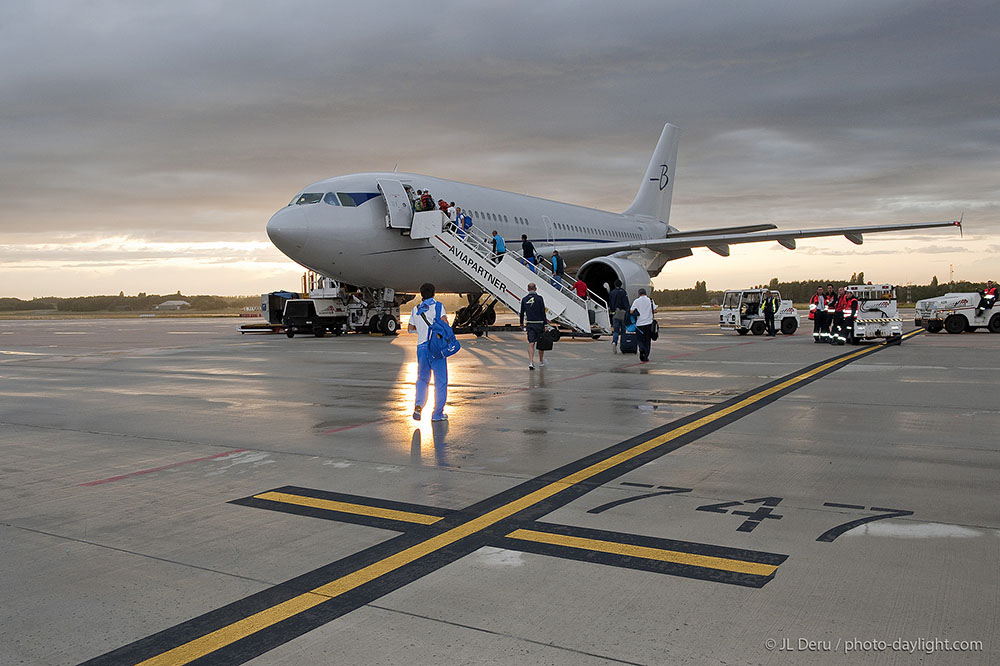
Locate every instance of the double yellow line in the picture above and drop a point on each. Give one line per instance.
(247, 626)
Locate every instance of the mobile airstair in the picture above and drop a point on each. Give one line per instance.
(506, 277)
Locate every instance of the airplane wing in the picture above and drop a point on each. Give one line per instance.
(720, 242)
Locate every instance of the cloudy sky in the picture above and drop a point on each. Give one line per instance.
(143, 146)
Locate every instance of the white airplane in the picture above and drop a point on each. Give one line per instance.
(342, 228)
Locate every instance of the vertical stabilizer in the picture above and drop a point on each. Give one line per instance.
(653, 198)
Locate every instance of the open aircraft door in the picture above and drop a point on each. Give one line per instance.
(398, 203)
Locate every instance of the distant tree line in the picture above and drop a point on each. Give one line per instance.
(122, 303)
(800, 291)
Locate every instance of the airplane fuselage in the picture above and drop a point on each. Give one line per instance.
(341, 230)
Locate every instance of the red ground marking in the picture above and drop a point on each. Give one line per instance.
(162, 467)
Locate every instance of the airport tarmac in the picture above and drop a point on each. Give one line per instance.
(173, 492)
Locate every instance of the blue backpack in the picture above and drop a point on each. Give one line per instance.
(441, 343)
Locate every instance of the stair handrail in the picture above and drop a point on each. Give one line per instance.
(483, 242)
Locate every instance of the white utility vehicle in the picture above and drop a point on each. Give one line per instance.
(956, 313)
(741, 312)
(877, 316)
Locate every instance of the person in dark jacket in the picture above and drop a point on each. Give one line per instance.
(532, 318)
(558, 269)
(619, 306)
(528, 252)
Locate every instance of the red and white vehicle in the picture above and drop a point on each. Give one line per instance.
(956, 313)
(742, 313)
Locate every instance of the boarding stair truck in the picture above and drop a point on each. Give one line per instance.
(956, 313)
(339, 309)
(877, 316)
(506, 277)
(742, 312)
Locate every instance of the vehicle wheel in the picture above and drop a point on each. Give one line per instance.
(478, 334)
(955, 323)
(289, 332)
(491, 317)
(994, 325)
(373, 324)
(595, 337)
(389, 325)
(555, 334)
(757, 328)
(319, 332)
(788, 326)
(934, 327)
(743, 331)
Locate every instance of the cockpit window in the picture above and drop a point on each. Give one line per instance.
(309, 198)
(355, 198)
(331, 198)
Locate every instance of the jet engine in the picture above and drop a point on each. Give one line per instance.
(600, 274)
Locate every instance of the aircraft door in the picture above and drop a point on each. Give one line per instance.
(398, 204)
(548, 228)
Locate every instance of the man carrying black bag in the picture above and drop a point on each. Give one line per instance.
(533, 319)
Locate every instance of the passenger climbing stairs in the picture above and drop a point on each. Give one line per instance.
(507, 277)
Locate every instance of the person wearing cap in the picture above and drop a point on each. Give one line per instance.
(643, 308)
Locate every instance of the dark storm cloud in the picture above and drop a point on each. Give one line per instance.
(171, 118)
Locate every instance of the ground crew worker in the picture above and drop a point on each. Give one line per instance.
(837, 327)
(850, 316)
(421, 318)
(770, 307)
(817, 312)
(830, 305)
(989, 298)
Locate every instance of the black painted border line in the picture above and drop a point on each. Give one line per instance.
(260, 640)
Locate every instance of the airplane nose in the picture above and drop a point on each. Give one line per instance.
(288, 229)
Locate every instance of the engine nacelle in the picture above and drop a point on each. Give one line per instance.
(600, 274)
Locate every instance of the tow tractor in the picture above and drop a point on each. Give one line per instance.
(877, 316)
(741, 311)
(956, 313)
(331, 306)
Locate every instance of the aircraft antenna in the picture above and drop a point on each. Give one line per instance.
(394, 166)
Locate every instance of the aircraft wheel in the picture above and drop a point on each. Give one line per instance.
(389, 325)
(788, 326)
(994, 325)
(955, 323)
(757, 328)
(743, 331)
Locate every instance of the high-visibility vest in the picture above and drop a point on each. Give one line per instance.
(850, 307)
(831, 301)
(813, 305)
(841, 302)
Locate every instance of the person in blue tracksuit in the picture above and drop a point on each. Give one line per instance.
(430, 310)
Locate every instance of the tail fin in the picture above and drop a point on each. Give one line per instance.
(653, 198)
